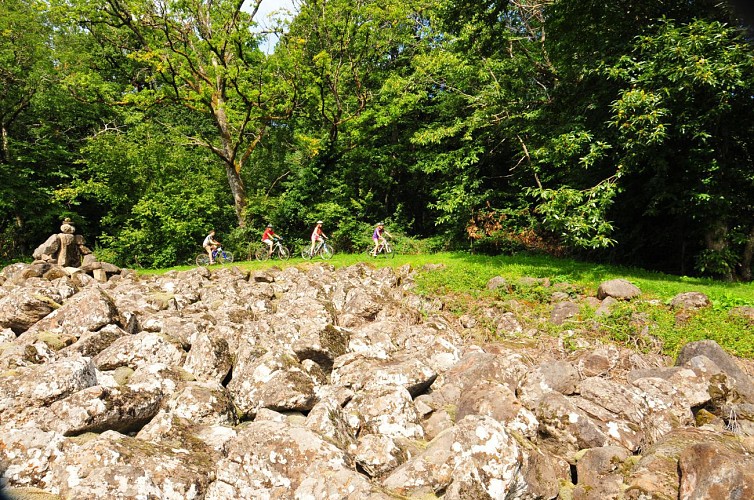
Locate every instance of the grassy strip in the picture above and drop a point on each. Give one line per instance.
(647, 324)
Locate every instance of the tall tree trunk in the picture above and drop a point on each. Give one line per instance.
(716, 239)
(232, 163)
(4, 155)
(238, 190)
(748, 255)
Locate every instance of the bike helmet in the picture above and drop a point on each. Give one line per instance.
(320, 222)
(380, 223)
(269, 225)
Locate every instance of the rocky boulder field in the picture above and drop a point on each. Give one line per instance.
(325, 383)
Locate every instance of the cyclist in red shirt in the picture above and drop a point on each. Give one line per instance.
(268, 238)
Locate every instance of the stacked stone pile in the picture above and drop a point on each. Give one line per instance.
(66, 253)
(325, 383)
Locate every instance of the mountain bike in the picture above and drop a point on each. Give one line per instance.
(322, 249)
(384, 249)
(219, 256)
(261, 251)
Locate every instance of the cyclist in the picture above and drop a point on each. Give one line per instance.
(210, 244)
(317, 235)
(268, 238)
(378, 236)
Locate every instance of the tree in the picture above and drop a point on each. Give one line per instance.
(685, 118)
(345, 50)
(205, 57)
(41, 125)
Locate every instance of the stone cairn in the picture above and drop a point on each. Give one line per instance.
(67, 253)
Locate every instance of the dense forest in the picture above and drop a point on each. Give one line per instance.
(614, 131)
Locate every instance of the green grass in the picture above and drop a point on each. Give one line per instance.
(461, 283)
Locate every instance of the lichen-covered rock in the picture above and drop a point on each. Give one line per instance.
(276, 380)
(142, 349)
(206, 403)
(562, 311)
(600, 474)
(741, 382)
(322, 345)
(358, 371)
(87, 311)
(387, 411)
(565, 429)
(92, 343)
(599, 361)
(97, 409)
(271, 459)
(111, 465)
(329, 420)
(209, 358)
(476, 458)
(558, 376)
(378, 454)
(26, 454)
(495, 400)
(712, 470)
(657, 473)
(22, 307)
(41, 385)
(506, 367)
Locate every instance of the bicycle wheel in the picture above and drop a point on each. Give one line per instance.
(252, 252)
(202, 260)
(305, 252)
(262, 253)
(326, 251)
(284, 253)
(224, 257)
(389, 251)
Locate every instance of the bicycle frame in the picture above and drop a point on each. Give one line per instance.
(383, 248)
(321, 249)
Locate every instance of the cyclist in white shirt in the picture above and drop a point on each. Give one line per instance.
(209, 244)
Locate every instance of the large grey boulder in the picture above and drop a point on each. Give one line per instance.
(142, 349)
(97, 409)
(740, 381)
(657, 473)
(22, 307)
(713, 470)
(274, 380)
(477, 458)
(618, 289)
(690, 301)
(600, 474)
(358, 371)
(386, 411)
(272, 459)
(111, 465)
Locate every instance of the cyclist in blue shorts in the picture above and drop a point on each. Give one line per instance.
(209, 244)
